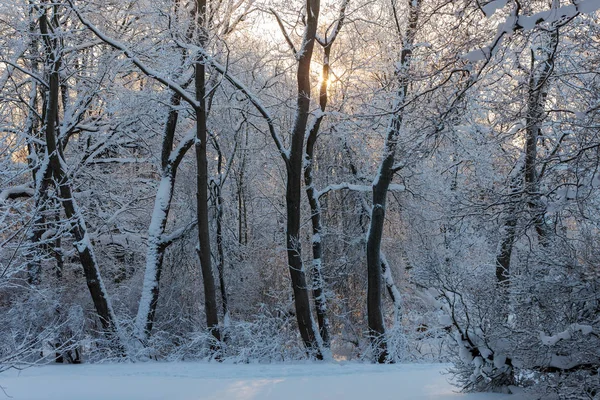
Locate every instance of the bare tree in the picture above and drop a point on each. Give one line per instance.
(57, 170)
(318, 281)
(380, 189)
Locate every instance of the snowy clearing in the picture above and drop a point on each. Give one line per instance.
(196, 381)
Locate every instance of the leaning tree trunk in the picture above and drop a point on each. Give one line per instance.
(170, 160)
(527, 176)
(536, 100)
(380, 188)
(77, 223)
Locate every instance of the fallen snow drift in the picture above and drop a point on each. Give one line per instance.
(195, 381)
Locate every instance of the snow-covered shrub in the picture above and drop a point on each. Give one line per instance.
(539, 331)
(270, 336)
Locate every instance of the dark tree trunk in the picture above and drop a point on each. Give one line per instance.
(217, 198)
(380, 188)
(374, 309)
(386, 271)
(210, 298)
(77, 228)
(306, 324)
(318, 280)
(241, 197)
(527, 176)
(221, 252)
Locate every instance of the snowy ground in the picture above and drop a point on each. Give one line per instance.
(195, 381)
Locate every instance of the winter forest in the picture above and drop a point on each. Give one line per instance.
(385, 181)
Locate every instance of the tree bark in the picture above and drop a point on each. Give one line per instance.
(527, 175)
(380, 188)
(210, 298)
(78, 228)
(318, 282)
(306, 325)
(170, 160)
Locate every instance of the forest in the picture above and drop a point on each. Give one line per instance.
(385, 181)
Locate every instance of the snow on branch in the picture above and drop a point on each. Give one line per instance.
(490, 8)
(148, 71)
(515, 22)
(183, 146)
(38, 78)
(566, 334)
(335, 27)
(117, 160)
(284, 32)
(249, 95)
(16, 192)
(180, 90)
(167, 240)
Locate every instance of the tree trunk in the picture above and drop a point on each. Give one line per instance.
(527, 175)
(210, 298)
(78, 228)
(170, 160)
(41, 179)
(306, 325)
(154, 256)
(241, 198)
(318, 281)
(217, 197)
(380, 188)
(221, 253)
(39, 169)
(386, 271)
(536, 100)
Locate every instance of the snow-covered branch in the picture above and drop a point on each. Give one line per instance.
(249, 95)
(556, 16)
(16, 192)
(147, 70)
(284, 32)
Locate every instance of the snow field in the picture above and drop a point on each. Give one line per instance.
(213, 381)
